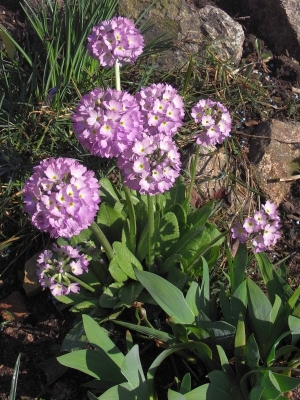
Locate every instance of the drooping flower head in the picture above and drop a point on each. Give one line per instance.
(214, 120)
(55, 266)
(116, 39)
(106, 122)
(62, 197)
(262, 229)
(162, 108)
(152, 165)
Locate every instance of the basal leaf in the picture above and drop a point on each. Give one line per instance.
(177, 277)
(294, 325)
(185, 386)
(193, 297)
(251, 352)
(75, 339)
(126, 260)
(169, 298)
(133, 372)
(286, 383)
(99, 339)
(129, 293)
(94, 363)
(238, 267)
(200, 216)
(168, 233)
(260, 309)
(144, 330)
(108, 192)
(110, 297)
(119, 392)
(110, 221)
(181, 216)
(175, 395)
(176, 194)
(116, 272)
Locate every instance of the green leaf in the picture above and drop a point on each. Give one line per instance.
(207, 392)
(119, 392)
(94, 363)
(200, 216)
(110, 221)
(126, 260)
(272, 389)
(204, 300)
(238, 303)
(176, 194)
(218, 379)
(151, 332)
(168, 233)
(169, 263)
(274, 282)
(99, 339)
(190, 244)
(181, 216)
(286, 383)
(110, 297)
(225, 305)
(193, 297)
(175, 395)
(185, 386)
(108, 192)
(14, 381)
(251, 352)
(169, 298)
(256, 393)
(260, 313)
(116, 272)
(75, 339)
(180, 332)
(294, 325)
(238, 267)
(177, 277)
(129, 293)
(133, 372)
(143, 244)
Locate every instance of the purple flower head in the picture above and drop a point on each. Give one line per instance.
(214, 120)
(62, 197)
(263, 229)
(115, 40)
(162, 108)
(152, 165)
(55, 267)
(107, 122)
(238, 232)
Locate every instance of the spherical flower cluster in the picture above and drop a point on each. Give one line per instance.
(152, 165)
(106, 123)
(162, 108)
(115, 40)
(62, 197)
(263, 228)
(215, 122)
(55, 269)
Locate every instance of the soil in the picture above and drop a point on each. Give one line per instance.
(39, 327)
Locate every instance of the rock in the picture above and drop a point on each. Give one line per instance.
(278, 23)
(275, 156)
(31, 283)
(189, 27)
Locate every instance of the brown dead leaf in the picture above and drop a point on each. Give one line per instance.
(251, 123)
(196, 199)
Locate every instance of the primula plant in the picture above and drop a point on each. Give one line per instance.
(141, 242)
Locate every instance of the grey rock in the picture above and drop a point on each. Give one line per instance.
(190, 28)
(278, 23)
(278, 154)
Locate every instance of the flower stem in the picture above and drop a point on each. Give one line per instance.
(132, 220)
(151, 233)
(103, 240)
(117, 75)
(193, 174)
(83, 284)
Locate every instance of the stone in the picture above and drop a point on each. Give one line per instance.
(278, 23)
(189, 27)
(275, 156)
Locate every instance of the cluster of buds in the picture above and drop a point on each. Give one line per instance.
(262, 228)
